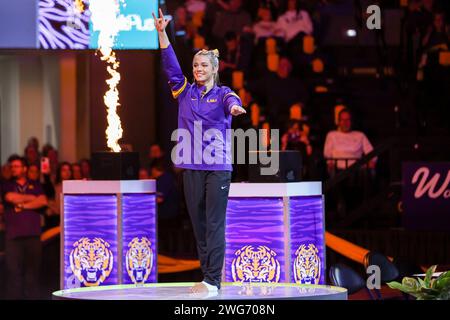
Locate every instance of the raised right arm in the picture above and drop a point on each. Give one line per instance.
(177, 81)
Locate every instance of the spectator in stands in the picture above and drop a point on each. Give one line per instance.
(428, 7)
(143, 174)
(437, 38)
(229, 58)
(344, 143)
(437, 33)
(265, 27)
(42, 173)
(34, 173)
(52, 154)
(31, 155)
(5, 173)
(255, 7)
(182, 25)
(231, 18)
(155, 152)
(22, 199)
(167, 194)
(294, 22)
(211, 11)
(194, 6)
(436, 97)
(85, 165)
(277, 92)
(296, 138)
(64, 172)
(76, 171)
(413, 32)
(34, 142)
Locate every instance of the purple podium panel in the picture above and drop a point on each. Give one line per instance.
(307, 240)
(109, 233)
(275, 233)
(254, 240)
(139, 238)
(90, 240)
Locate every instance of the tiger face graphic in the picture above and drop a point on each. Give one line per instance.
(91, 261)
(258, 265)
(139, 259)
(307, 264)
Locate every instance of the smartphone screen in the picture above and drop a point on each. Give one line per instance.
(45, 165)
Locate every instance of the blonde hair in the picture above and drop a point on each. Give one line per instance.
(213, 56)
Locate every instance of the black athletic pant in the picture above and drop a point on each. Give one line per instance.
(206, 195)
(23, 260)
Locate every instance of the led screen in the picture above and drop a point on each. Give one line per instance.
(63, 26)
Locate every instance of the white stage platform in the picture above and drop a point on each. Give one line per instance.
(229, 291)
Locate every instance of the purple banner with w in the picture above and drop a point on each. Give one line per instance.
(426, 195)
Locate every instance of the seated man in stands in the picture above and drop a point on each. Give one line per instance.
(342, 149)
(344, 143)
(294, 22)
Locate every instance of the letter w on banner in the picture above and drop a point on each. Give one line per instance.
(426, 195)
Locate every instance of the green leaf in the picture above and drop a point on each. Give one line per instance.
(399, 286)
(410, 283)
(442, 283)
(444, 275)
(421, 282)
(428, 296)
(445, 295)
(433, 283)
(429, 290)
(394, 285)
(429, 274)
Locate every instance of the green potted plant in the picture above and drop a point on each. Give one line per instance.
(427, 288)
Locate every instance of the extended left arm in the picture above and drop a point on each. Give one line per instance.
(233, 103)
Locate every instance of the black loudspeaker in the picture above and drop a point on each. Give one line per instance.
(115, 165)
(289, 169)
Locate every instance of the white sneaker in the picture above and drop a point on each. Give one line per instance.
(211, 288)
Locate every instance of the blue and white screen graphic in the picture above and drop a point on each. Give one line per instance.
(62, 26)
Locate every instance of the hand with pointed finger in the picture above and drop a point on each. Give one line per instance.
(237, 110)
(160, 23)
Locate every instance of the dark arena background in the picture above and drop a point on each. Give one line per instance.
(357, 89)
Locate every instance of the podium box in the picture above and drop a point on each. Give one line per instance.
(108, 233)
(275, 233)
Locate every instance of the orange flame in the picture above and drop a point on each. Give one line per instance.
(104, 15)
(79, 5)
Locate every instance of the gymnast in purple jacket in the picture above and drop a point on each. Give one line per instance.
(205, 111)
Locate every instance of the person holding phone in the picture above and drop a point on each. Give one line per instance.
(206, 184)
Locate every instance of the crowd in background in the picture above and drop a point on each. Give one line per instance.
(270, 53)
(276, 44)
